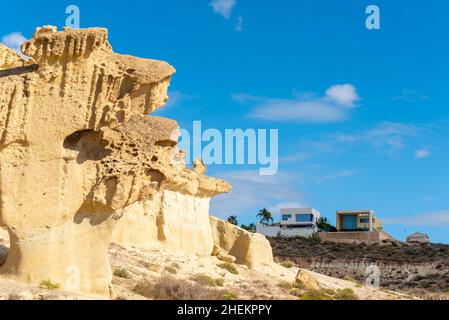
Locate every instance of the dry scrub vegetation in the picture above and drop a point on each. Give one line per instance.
(418, 269)
(170, 288)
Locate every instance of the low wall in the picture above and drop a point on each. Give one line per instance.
(274, 231)
(356, 236)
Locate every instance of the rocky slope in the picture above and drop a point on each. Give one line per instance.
(418, 269)
(164, 274)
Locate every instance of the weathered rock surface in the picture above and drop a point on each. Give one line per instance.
(171, 221)
(306, 281)
(251, 249)
(10, 59)
(78, 153)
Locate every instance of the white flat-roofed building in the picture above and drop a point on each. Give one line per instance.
(295, 222)
(299, 217)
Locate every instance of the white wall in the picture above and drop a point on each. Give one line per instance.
(274, 231)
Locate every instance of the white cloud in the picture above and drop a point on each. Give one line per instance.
(223, 7)
(343, 94)
(410, 96)
(422, 153)
(305, 108)
(252, 192)
(336, 175)
(14, 41)
(276, 210)
(299, 156)
(177, 97)
(239, 25)
(299, 111)
(386, 136)
(429, 199)
(432, 219)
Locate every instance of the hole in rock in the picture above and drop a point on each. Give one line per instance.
(89, 144)
(166, 143)
(155, 175)
(4, 245)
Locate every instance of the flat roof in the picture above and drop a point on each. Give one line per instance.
(354, 211)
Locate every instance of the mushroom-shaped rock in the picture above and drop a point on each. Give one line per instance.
(76, 149)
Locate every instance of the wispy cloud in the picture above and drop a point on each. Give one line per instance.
(422, 153)
(178, 97)
(336, 175)
(14, 41)
(276, 209)
(304, 108)
(252, 192)
(386, 136)
(429, 199)
(299, 156)
(239, 25)
(431, 219)
(410, 96)
(223, 7)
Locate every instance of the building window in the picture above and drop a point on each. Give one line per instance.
(286, 217)
(304, 218)
(364, 220)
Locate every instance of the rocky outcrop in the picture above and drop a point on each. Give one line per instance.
(304, 280)
(10, 59)
(179, 222)
(251, 249)
(78, 153)
(170, 221)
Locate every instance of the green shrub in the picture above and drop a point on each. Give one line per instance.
(229, 266)
(122, 273)
(288, 264)
(286, 285)
(345, 294)
(229, 295)
(348, 278)
(47, 284)
(206, 280)
(171, 270)
(313, 294)
(170, 288)
(328, 291)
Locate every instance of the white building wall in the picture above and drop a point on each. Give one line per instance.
(274, 231)
(301, 211)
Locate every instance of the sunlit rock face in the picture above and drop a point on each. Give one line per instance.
(77, 150)
(83, 164)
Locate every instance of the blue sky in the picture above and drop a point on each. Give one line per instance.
(362, 114)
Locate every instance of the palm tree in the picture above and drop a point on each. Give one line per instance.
(265, 216)
(233, 220)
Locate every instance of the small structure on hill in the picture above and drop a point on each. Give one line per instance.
(418, 237)
(295, 222)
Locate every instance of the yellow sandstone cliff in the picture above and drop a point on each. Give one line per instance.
(82, 164)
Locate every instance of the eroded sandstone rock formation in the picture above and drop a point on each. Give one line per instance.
(79, 155)
(251, 249)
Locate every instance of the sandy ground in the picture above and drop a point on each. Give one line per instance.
(150, 265)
